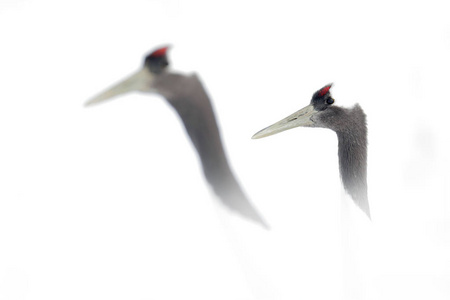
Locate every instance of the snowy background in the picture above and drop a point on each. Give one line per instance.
(110, 202)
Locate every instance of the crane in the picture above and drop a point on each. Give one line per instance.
(351, 129)
(186, 94)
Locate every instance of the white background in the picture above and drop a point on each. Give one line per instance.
(110, 202)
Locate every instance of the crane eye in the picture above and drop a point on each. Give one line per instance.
(330, 100)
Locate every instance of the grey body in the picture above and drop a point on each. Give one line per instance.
(351, 129)
(187, 96)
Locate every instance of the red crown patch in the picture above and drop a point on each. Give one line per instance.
(159, 52)
(325, 90)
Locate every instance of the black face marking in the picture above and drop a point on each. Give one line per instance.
(321, 101)
(156, 64)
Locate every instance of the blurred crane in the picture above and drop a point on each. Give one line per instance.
(188, 97)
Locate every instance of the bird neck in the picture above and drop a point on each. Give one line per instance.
(188, 97)
(352, 152)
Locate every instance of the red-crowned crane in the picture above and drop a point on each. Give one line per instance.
(188, 97)
(351, 129)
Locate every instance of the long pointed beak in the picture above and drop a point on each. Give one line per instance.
(299, 118)
(140, 81)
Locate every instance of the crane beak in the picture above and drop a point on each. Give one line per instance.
(300, 118)
(142, 81)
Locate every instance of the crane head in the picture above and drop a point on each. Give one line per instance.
(322, 98)
(308, 116)
(142, 80)
(157, 61)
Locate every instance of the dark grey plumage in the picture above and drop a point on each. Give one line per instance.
(351, 129)
(187, 96)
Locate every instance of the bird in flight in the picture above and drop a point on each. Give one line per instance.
(186, 94)
(351, 129)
